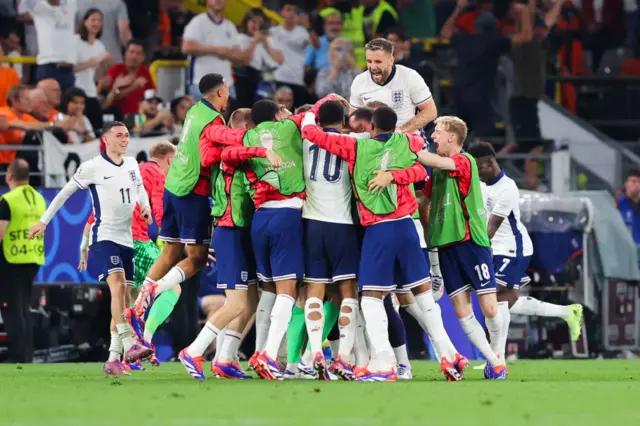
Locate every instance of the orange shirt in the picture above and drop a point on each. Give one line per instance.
(12, 136)
(8, 77)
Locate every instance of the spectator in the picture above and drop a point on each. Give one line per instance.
(115, 29)
(284, 96)
(338, 78)
(20, 120)
(91, 55)
(179, 108)
(150, 121)
(128, 80)
(179, 17)
(402, 51)
(52, 91)
(42, 111)
(629, 203)
(73, 106)
(291, 40)
(8, 78)
(318, 58)
(212, 42)
(529, 80)
(260, 56)
(379, 16)
(10, 45)
(477, 65)
(144, 19)
(54, 23)
(605, 22)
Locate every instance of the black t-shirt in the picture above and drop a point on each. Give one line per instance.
(477, 64)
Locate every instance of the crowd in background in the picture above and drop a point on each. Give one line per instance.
(93, 56)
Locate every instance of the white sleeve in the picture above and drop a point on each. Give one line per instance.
(143, 197)
(505, 200)
(233, 32)
(67, 191)
(192, 30)
(418, 89)
(85, 175)
(355, 99)
(36, 7)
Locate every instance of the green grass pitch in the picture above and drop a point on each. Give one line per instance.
(537, 393)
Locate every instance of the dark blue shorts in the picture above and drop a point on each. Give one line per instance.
(187, 219)
(392, 257)
(276, 236)
(107, 257)
(404, 289)
(467, 266)
(234, 258)
(511, 272)
(331, 252)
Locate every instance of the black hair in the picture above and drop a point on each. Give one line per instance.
(134, 42)
(402, 35)
(384, 119)
(634, 172)
(69, 94)
(175, 102)
(19, 170)
(331, 112)
(110, 125)
(209, 83)
(284, 3)
(84, 33)
(264, 110)
(481, 149)
(252, 13)
(364, 114)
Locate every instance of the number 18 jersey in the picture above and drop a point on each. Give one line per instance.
(114, 193)
(328, 186)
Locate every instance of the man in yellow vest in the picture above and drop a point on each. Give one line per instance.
(20, 258)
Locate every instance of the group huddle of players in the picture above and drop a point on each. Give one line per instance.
(283, 188)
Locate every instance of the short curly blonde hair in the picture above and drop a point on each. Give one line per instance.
(455, 125)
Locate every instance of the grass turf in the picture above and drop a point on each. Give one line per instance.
(536, 393)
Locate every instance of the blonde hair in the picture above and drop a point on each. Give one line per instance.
(239, 118)
(303, 108)
(455, 125)
(161, 149)
(375, 104)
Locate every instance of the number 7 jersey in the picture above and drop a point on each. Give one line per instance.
(114, 193)
(328, 185)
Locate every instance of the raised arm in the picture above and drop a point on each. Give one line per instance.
(234, 155)
(414, 174)
(432, 160)
(315, 110)
(340, 145)
(67, 191)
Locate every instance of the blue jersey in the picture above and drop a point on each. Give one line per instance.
(631, 216)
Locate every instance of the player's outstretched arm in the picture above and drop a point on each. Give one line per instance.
(234, 155)
(432, 160)
(340, 145)
(415, 173)
(67, 191)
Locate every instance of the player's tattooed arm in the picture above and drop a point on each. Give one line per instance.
(432, 160)
(428, 113)
(494, 223)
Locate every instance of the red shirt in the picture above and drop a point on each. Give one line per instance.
(210, 154)
(232, 158)
(346, 148)
(463, 174)
(153, 178)
(130, 104)
(223, 135)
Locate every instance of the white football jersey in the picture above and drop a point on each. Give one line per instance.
(502, 198)
(114, 193)
(403, 92)
(328, 185)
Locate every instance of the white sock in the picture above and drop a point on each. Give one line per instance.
(494, 326)
(219, 341)
(475, 333)
(126, 336)
(435, 326)
(402, 357)
(360, 350)
(314, 327)
(347, 332)
(173, 278)
(206, 337)
(115, 348)
(292, 367)
(280, 318)
(378, 332)
(503, 308)
(414, 310)
(263, 319)
(526, 305)
(230, 346)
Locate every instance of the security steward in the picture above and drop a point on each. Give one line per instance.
(20, 259)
